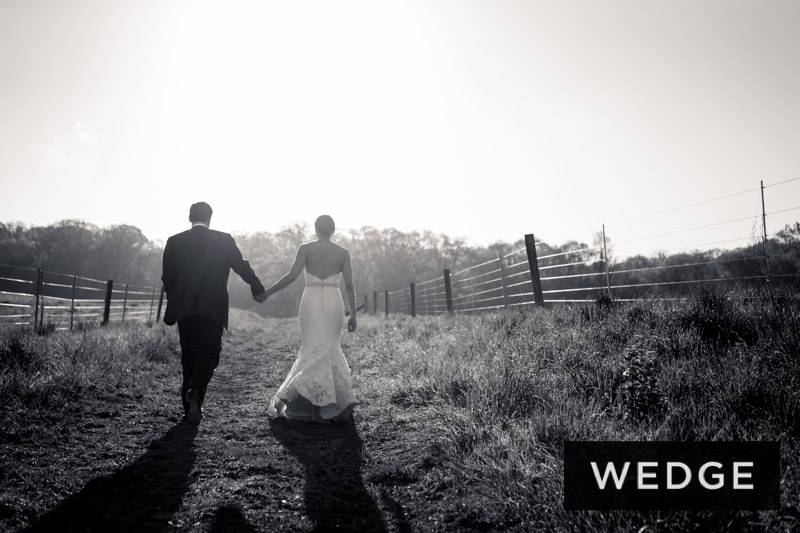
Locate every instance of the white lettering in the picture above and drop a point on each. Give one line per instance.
(687, 473)
(719, 477)
(737, 475)
(643, 474)
(619, 480)
(710, 475)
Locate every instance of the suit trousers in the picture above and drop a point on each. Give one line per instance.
(201, 344)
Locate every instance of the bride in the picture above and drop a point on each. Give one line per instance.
(319, 387)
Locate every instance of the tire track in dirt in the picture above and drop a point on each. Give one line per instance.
(255, 474)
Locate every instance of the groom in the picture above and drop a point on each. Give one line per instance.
(196, 265)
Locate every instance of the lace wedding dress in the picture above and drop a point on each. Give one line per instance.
(318, 385)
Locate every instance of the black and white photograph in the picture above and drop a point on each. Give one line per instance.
(399, 266)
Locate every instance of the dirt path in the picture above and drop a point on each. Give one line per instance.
(127, 463)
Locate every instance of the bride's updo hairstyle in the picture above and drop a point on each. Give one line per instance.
(324, 225)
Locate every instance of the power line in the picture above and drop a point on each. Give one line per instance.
(690, 205)
(711, 243)
(687, 229)
(705, 201)
(699, 263)
(780, 183)
(783, 210)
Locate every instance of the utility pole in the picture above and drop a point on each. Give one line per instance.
(764, 226)
(605, 262)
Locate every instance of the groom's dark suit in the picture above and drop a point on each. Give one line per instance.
(196, 265)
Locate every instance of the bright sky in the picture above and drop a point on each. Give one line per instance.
(479, 119)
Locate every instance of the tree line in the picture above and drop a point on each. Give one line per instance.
(383, 259)
(119, 252)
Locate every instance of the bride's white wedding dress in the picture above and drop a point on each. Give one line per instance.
(320, 377)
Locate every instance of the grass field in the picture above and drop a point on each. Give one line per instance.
(459, 427)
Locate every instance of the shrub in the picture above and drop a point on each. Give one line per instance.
(720, 320)
(642, 396)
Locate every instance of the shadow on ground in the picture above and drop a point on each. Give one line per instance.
(230, 519)
(335, 495)
(142, 496)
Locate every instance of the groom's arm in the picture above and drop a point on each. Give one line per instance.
(242, 267)
(168, 267)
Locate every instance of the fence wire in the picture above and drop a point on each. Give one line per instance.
(54, 300)
(585, 273)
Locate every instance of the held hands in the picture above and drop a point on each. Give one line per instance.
(351, 324)
(261, 298)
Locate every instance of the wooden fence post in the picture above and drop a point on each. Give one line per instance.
(472, 292)
(366, 304)
(448, 290)
(107, 308)
(43, 303)
(38, 295)
(386, 302)
(152, 301)
(125, 303)
(37, 292)
(533, 264)
(764, 226)
(72, 304)
(160, 301)
(504, 279)
(375, 302)
(605, 262)
(412, 288)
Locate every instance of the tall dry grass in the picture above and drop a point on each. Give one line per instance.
(507, 388)
(56, 369)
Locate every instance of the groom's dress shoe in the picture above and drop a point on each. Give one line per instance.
(194, 413)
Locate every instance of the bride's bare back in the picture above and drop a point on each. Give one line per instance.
(324, 258)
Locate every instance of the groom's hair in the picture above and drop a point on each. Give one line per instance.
(200, 211)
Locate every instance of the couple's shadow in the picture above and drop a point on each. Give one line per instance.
(146, 494)
(141, 496)
(335, 495)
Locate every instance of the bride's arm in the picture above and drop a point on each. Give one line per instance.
(289, 277)
(349, 289)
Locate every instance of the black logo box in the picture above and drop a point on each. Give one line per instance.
(582, 491)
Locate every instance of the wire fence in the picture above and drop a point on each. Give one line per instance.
(50, 300)
(534, 275)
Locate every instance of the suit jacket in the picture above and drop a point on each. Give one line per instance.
(196, 265)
